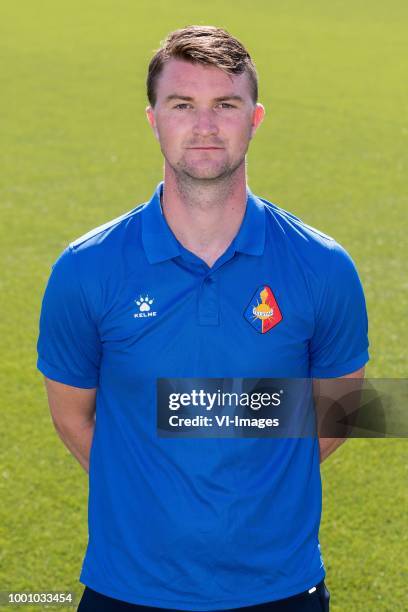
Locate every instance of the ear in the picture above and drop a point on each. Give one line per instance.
(152, 120)
(257, 117)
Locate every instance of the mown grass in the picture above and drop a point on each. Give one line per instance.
(77, 151)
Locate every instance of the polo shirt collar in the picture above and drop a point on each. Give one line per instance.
(251, 235)
(160, 243)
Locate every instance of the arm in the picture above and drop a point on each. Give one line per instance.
(73, 414)
(321, 388)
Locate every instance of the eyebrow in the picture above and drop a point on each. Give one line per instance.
(190, 99)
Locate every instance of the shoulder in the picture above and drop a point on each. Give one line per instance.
(307, 242)
(99, 253)
(311, 256)
(106, 235)
(92, 266)
(295, 228)
(99, 248)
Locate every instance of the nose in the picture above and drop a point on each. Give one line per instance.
(205, 123)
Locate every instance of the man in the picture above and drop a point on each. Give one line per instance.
(165, 291)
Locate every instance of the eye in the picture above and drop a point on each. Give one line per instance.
(182, 105)
(226, 105)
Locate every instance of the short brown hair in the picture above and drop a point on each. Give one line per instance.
(203, 45)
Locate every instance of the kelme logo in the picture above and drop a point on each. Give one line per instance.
(263, 311)
(145, 307)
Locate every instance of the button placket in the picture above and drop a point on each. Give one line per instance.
(208, 302)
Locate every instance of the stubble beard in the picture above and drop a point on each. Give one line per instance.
(191, 175)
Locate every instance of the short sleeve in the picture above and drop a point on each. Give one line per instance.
(340, 343)
(68, 346)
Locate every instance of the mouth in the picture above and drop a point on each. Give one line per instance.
(204, 148)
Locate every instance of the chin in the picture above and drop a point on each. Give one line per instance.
(209, 173)
(204, 175)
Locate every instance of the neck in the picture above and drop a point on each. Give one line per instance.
(205, 215)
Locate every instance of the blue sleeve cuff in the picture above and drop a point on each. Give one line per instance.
(334, 371)
(64, 377)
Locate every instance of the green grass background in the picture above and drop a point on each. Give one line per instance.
(77, 151)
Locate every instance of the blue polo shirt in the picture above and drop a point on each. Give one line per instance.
(210, 523)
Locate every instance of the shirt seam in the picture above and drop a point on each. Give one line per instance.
(319, 306)
(93, 317)
(316, 577)
(63, 373)
(340, 365)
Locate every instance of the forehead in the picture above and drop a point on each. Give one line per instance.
(188, 79)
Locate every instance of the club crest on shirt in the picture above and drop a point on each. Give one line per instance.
(263, 311)
(145, 307)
